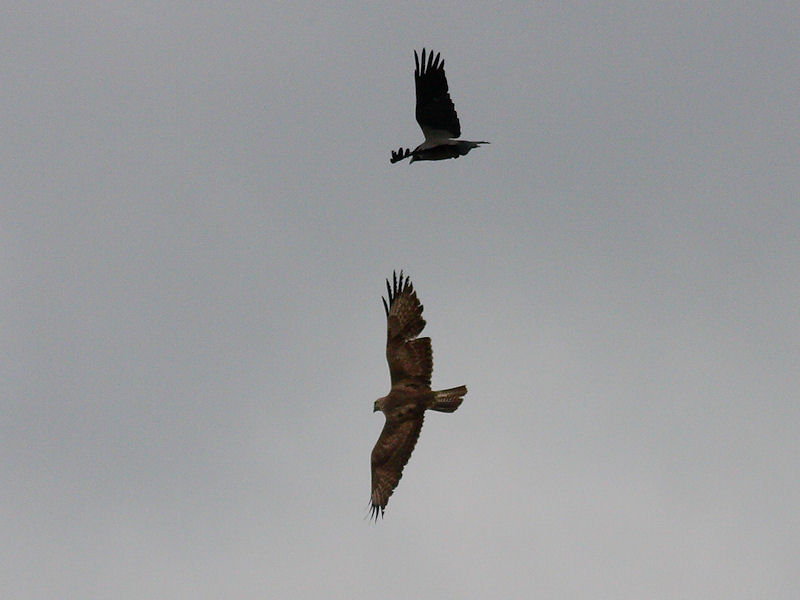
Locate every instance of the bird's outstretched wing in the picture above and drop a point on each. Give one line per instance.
(410, 358)
(390, 455)
(436, 113)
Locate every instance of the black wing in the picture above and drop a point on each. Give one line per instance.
(435, 109)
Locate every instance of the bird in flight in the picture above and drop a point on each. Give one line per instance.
(436, 115)
(410, 365)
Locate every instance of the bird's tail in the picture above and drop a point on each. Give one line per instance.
(449, 400)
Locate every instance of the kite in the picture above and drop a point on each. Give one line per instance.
(410, 365)
(436, 115)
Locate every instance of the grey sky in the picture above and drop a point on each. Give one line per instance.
(198, 212)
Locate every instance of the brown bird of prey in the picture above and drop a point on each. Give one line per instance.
(410, 365)
(436, 115)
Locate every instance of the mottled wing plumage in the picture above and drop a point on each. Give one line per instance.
(410, 358)
(435, 110)
(390, 455)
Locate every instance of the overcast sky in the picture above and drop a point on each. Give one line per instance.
(198, 214)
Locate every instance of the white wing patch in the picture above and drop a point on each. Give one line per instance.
(434, 137)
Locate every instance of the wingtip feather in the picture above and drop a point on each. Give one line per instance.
(400, 284)
(374, 512)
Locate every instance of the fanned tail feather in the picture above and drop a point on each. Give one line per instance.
(449, 400)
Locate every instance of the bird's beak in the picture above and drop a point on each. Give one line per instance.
(375, 406)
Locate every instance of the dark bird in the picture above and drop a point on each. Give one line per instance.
(436, 115)
(410, 365)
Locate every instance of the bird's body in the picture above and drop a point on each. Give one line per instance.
(410, 365)
(435, 114)
(442, 149)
